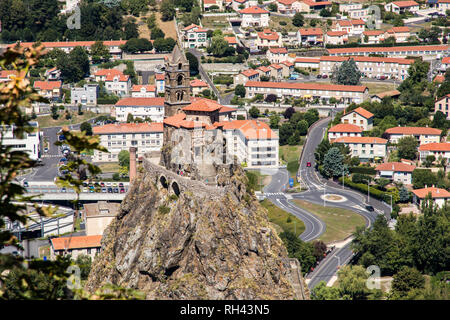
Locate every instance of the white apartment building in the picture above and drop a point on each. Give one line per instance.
(311, 36)
(401, 34)
(423, 135)
(443, 105)
(288, 6)
(344, 130)
(365, 147)
(443, 5)
(143, 91)
(86, 95)
(336, 37)
(276, 55)
(372, 36)
(426, 52)
(347, 6)
(139, 107)
(396, 171)
(116, 137)
(195, 36)
(119, 85)
(346, 94)
(268, 38)
(359, 117)
(441, 149)
(28, 143)
(254, 17)
(305, 62)
(371, 67)
(252, 142)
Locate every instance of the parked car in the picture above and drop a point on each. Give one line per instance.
(319, 76)
(110, 190)
(92, 190)
(116, 190)
(120, 185)
(45, 150)
(324, 76)
(122, 190)
(102, 184)
(114, 184)
(63, 189)
(108, 184)
(104, 190)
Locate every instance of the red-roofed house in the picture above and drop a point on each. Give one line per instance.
(396, 171)
(53, 74)
(194, 36)
(288, 6)
(160, 82)
(422, 134)
(254, 17)
(276, 55)
(237, 5)
(441, 149)
(311, 36)
(86, 245)
(139, 107)
(365, 147)
(304, 62)
(268, 38)
(442, 5)
(116, 137)
(439, 196)
(288, 68)
(198, 86)
(276, 71)
(310, 5)
(344, 130)
(402, 6)
(51, 90)
(353, 26)
(445, 63)
(443, 105)
(336, 37)
(372, 36)
(119, 85)
(143, 91)
(264, 71)
(360, 117)
(209, 5)
(346, 94)
(232, 41)
(6, 75)
(246, 75)
(401, 34)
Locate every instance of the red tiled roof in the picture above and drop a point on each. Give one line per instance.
(121, 77)
(363, 112)
(436, 146)
(106, 72)
(47, 85)
(439, 78)
(76, 242)
(367, 59)
(368, 140)
(405, 4)
(287, 2)
(192, 26)
(263, 69)
(249, 72)
(205, 105)
(117, 128)
(278, 50)
(230, 40)
(209, 2)
(336, 33)
(63, 44)
(8, 73)
(398, 29)
(158, 101)
(287, 63)
(310, 31)
(373, 32)
(198, 83)
(390, 49)
(138, 87)
(395, 166)
(435, 193)
(253, 10)
(276, 66)
(159, 76)
(414, 130)
(307, 60)
(268, 35)
(252, 129)
(446, 59)
(316, 3)
(226, 109)
(345, 127)
(305, 86)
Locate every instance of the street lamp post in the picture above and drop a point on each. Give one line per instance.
(368, 193)
(324, 196)
(391, 204)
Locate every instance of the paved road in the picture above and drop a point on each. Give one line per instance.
(317, 188)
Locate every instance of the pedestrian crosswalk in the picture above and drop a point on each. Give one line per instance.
(273, 193)
(51, 156)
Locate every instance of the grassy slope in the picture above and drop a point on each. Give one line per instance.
(291, 154)
(47, 121)
(279, 217)
(340, 223)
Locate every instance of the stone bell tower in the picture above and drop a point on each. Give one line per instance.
(177, 84)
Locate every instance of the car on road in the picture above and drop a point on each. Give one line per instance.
(110, 190)
(45, 150)
(25, 184)
(369, 208)
(62, 160)
(308, 164)
(92, 190)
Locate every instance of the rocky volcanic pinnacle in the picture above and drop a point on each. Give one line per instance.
(209, 243)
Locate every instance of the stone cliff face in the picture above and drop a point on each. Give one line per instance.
(207, 243)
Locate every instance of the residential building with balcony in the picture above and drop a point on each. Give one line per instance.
(366, 148)
(276, 55)
(195, 36)
(396, 172)
(423, 135)
(336, 37)
(359, 117)
(443, 105)
(246, 75)
(139, 107)
(402, 6)
(254, 17)
(86, 96)
(310, 36)
(438, 195)
(143, 91)
(438, 150)
(429, 52)
(344, 130)
(51, 90)
(268, 39)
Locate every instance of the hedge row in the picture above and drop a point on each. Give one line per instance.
(381, 195)
(363, 170)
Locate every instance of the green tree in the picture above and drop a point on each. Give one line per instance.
(273, 7)
(54, 112)
(156, 33)
(352, 283)
(302, 127)
(131, 30)
(164, 45)
(347, 73)
(322, 292)
(404, 194)
(254, 112)
(167, 10)
(405, 280)
(124, 158)
(286, 131)
(303, 251)
(274, 121)
(130, 118)
(99, 52)
(312, 115)
(422, 177)
(321, 151)
(407, 147)
(87, 128)
(84, 262)
(325, 13)
(239, 90)
(333, 163)
(193, 63)
(218, 46)
(429, 161)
